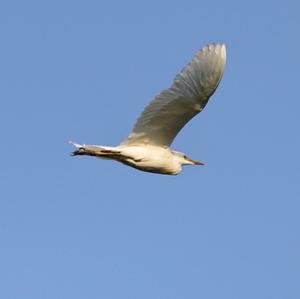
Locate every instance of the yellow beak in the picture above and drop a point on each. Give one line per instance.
(194, 162)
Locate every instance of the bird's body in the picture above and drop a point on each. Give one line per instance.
(148, 146)
(150, 158)
(146, 158)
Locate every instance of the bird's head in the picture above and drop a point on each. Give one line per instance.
(184, 160)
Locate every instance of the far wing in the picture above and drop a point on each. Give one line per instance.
(166, 115)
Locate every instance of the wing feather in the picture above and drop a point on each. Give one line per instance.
(166, 115)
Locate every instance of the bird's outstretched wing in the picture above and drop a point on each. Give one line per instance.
(165, 116)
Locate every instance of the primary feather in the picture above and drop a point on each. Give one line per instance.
(165, 116)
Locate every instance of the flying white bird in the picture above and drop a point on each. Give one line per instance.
(148, 146)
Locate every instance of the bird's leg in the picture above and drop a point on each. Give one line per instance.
(94, 150)
(83, 151)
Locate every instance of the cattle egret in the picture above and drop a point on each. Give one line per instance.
(148, 146)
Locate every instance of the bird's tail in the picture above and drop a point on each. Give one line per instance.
(95, 150)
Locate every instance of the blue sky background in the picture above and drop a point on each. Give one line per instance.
(86, 228)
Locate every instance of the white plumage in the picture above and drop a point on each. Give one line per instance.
(148, 146)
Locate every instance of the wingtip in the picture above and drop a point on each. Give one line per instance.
(223, 51)
(215, 47)
(220, 48)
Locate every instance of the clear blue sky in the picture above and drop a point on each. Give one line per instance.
(87, 228)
